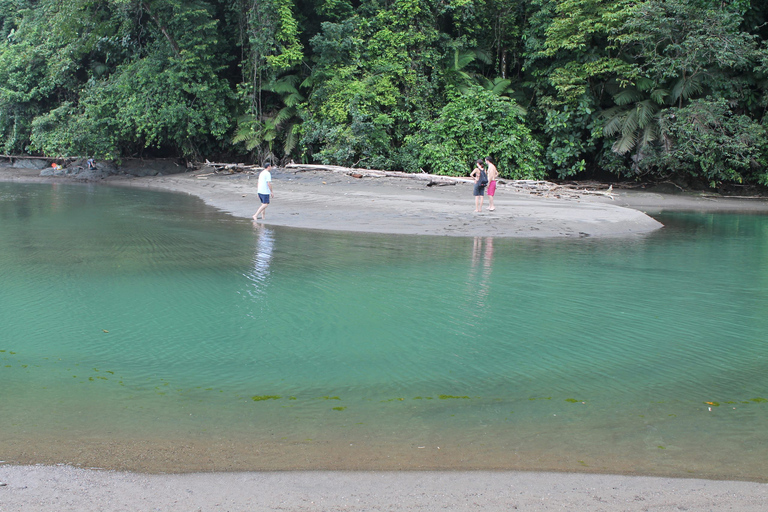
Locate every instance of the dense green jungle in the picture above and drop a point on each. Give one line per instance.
(611, 89)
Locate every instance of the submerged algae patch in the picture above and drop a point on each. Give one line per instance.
(259, 398)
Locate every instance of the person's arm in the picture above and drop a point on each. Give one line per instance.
(271, 192)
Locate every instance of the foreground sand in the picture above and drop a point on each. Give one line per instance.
(323, 200)
(59, 489)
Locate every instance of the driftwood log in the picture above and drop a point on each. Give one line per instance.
(535, 187)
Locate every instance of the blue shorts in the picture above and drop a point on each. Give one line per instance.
(479, 190)
(264, 198)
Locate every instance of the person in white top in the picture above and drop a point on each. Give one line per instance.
(264, 190)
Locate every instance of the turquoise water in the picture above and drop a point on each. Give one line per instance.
(136, 315)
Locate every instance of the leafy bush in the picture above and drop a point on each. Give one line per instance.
(474, 125)
(706, 140)
(573, 133)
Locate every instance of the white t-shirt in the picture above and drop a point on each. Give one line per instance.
(264, 177)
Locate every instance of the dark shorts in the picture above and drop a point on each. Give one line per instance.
(479, 190)
(264, 198)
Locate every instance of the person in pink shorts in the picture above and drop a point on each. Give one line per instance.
(493, 175)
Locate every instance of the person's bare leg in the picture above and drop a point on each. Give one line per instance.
(260, 211)
(490, 206)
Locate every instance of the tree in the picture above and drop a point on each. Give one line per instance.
(476, 124)
(680, 52)
(373, 77)
(708, 141)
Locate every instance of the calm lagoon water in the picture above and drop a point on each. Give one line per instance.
(129, 316)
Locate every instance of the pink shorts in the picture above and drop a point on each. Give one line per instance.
(491, 187)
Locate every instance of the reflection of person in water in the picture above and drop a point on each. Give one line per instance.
(262, 257)
(484, 286)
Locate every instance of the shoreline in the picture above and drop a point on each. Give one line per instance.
(323, 200)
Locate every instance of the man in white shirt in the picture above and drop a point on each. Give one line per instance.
(264, 190)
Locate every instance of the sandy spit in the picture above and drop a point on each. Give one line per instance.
(335, 201)
(321, 200)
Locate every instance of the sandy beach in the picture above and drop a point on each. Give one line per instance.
(62, 488)
(336, 201)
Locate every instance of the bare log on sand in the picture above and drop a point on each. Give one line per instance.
(230, 168)
(534, 187)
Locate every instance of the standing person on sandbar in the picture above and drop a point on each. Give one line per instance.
(264, 190)
(481, 180)
(493, 175)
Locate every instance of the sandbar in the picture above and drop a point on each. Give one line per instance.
(337, 201)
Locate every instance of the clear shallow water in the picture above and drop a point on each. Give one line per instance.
(136, 315)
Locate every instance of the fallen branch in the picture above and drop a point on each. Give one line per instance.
(536, 187)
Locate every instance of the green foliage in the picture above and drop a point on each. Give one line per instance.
(708, 141)
(474, 125)
(91, 88)
(682, 52)
(677, 41)
(371, 81)
(573, 133)
(563, 88)
(570, 48)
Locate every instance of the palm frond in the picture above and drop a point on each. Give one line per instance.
(630, 123)
(614, 120)
(519, 109)
(462, 58)
(646, 112)
(659, 95)
(293, 99)
(650, 135)
(241, 135)
(627, 96)
(291, 139)
(500, 86)
(624, 144)
(284, 114)
(285, 85)
(484, 56)
(644, 84)
(686, 88)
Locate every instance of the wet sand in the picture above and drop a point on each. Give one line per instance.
(324, 200)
